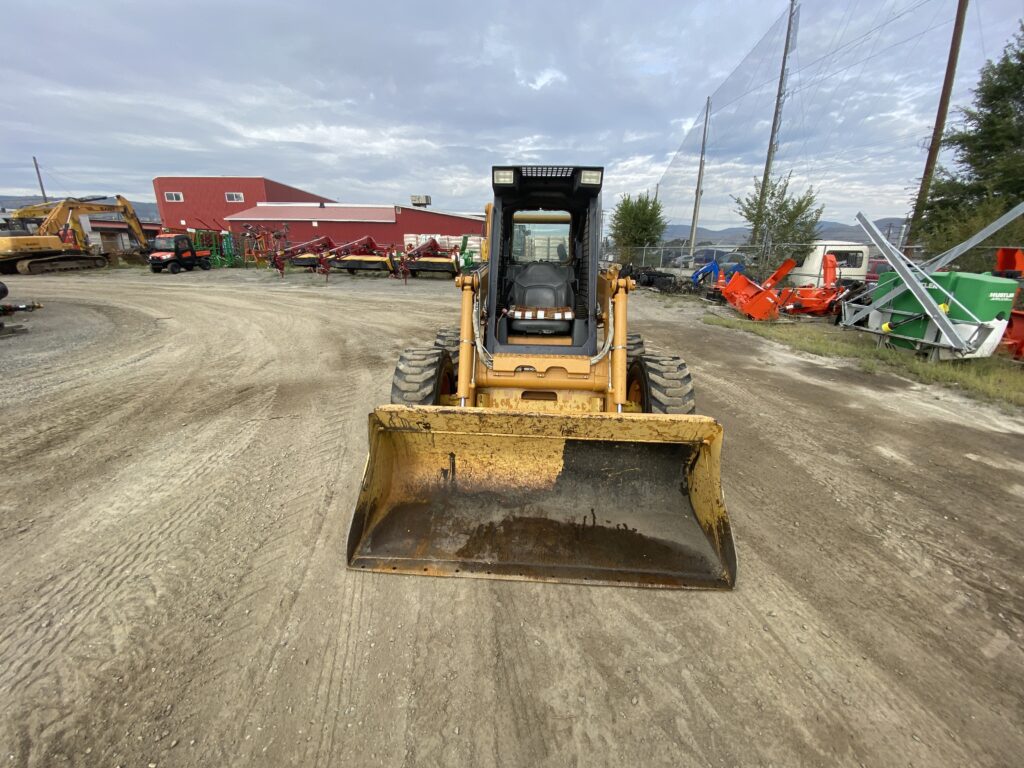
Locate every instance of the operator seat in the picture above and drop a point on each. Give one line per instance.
(545, 286)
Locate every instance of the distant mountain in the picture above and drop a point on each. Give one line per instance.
(827, 230)
(728, 236)
(832, 230)
(8, 203)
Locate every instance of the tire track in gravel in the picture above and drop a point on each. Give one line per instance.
(237, 634)
(37, 646)
(329, 416)
(883, 532)
(89, 589)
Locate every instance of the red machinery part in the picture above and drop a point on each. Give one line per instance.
(364, 246)
(1013, 337)
(758, 302)
(1010, 262)
(313, 247)
(813, 300)
(428, 249)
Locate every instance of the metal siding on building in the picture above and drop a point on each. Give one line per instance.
(282, 193)
(407, 221)
(423, 222)
(205, 205)
(320, 212)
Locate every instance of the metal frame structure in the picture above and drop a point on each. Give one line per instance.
(917, 279)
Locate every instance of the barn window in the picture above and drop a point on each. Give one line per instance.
(234, 197)
(174, 197)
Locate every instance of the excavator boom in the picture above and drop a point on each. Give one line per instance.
(61, 241)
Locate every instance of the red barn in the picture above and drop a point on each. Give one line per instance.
(387, 224)
(205, 202)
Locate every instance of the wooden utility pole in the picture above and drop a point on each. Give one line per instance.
(940, 121)
(700, 180)
(40, 177)
(780, 97)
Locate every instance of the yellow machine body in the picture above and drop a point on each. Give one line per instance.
(543, 466)
(622, 499)
(61, 242)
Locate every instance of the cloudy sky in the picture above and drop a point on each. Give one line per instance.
(372, 102)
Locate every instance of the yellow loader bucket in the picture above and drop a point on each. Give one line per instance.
(629, 499)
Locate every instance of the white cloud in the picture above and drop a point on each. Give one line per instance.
(377, 121)
(542, 79)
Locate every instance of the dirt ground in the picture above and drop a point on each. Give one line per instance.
(181, 455)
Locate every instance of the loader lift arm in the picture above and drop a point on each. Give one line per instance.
(540, 440)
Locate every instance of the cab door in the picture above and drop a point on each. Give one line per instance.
(185, 250)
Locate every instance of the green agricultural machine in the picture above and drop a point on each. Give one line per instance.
(946, 315)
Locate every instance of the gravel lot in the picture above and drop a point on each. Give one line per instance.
(181, 455)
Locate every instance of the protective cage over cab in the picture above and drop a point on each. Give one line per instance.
(540, 439)
(558, 281)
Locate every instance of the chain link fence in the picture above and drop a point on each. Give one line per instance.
(678, 256)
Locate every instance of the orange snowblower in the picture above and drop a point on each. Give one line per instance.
(1013, 336)
(814, 300)
(757, 301)
(1009, 263)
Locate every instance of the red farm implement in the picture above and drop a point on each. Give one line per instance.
(757, 301)
(429, 256)
(816, 300)
(364, 254)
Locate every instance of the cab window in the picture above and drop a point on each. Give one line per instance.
(848, 259)
(549, 242)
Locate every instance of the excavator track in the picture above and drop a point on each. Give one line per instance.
(60, 264)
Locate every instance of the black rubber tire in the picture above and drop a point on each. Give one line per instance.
(204, 264)
(664, 384)
(3, 291)
(174, 267)
(448, 339)
(634, 348)
(413, 273)
(155, 269)
(189, 267)
(350, 271)
(422, 376)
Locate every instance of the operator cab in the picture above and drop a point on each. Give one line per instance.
(542, 281)
(179, 245)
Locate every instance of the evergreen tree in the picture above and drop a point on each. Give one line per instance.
(988, 149)
(636, 223)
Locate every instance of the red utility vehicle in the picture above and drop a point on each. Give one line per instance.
(175, 252)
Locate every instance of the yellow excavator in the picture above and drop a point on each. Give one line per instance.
(60, 241)
(540, 439)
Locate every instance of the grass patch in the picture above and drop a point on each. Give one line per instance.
(996, 379)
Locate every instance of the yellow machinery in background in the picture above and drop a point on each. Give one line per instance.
(540, 439)
(60, 242)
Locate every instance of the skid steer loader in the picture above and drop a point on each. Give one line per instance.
(540, 440)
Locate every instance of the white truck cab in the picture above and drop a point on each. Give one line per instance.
(852, 259)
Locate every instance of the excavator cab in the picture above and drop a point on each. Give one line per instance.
(540, 439)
